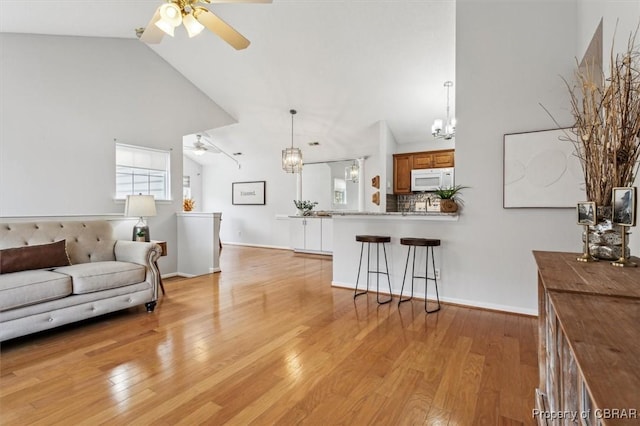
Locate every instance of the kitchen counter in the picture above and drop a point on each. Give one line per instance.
(383, 215)
(397, 225)
(397, 215)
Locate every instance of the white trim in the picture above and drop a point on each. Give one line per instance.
(231, 243)
(453, 300)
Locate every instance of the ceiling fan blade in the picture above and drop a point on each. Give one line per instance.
(240, 1)
(221, 28)
(152, 34)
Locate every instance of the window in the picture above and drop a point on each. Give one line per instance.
(142, 170)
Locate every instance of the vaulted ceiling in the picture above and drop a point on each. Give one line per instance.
(344, 65)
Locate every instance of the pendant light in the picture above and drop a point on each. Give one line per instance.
(352, 172)
(292, 157)
(445, 130)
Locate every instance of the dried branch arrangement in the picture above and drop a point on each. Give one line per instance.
(607, 128)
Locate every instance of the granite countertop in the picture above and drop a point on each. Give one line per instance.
(329, 214)
(392, 214)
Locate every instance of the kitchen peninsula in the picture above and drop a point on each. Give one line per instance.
(346, 251)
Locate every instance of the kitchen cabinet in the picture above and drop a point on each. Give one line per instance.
(404, 163)
(311, 234)
(443, 159)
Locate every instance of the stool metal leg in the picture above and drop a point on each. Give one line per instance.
(406, 266)
(434, 279)
(369, 272)
(385, 273)
(355, 292)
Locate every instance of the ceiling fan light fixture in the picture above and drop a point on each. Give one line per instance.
(165, 27)
(171, 14)
(199, 151)
(192, 25)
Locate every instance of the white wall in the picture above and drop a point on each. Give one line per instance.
(509, 56)
(253, 225)
(64, 101)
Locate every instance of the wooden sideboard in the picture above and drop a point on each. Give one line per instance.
(589, 342)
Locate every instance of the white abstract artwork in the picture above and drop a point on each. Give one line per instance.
(541, 170)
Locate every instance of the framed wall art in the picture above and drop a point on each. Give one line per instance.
(624, 206)
(541, 170)
(586, 213)
(248, 193)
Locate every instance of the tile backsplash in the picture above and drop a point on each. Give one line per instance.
(407, 203)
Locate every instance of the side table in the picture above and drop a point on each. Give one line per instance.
(163, 246)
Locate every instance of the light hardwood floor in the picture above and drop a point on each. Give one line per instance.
(269, 341)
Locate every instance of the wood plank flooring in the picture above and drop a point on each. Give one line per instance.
(269, 341)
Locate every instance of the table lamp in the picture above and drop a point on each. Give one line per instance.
(140, 206)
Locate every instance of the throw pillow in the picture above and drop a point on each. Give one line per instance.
(34, 257)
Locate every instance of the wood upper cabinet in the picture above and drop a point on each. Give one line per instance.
(423, 160)
(404, 163)
(443, 159)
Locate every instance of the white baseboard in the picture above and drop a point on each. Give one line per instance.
(456, 301)
(231, 243)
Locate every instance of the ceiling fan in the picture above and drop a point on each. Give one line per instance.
(201, 148)
(203, 145)
(195, 18)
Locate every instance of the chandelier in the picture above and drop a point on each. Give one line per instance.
(352, 172)
(446, 130)
(292, 157)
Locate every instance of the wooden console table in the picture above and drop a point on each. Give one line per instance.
(589, 342)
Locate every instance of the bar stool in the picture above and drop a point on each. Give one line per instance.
(429, 244)
(377, 240)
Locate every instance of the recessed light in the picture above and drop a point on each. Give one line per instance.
(314, 143)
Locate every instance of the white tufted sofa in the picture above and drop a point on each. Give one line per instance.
(105, 275)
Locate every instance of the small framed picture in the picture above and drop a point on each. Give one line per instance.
(586, 213)
(624, 206)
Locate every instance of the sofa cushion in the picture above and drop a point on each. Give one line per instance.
(97, 276)
(30, 287)
(38, 256)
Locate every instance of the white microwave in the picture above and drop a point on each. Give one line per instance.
(431, 179)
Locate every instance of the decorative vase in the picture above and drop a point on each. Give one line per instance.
(448, 206)
(605, 240)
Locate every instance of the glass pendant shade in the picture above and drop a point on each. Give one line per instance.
(352, 172)
(292, 157)
(292, 160)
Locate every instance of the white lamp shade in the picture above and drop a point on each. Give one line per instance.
(193, 27)
(164, 26)
(140, 206)
(171, 14)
